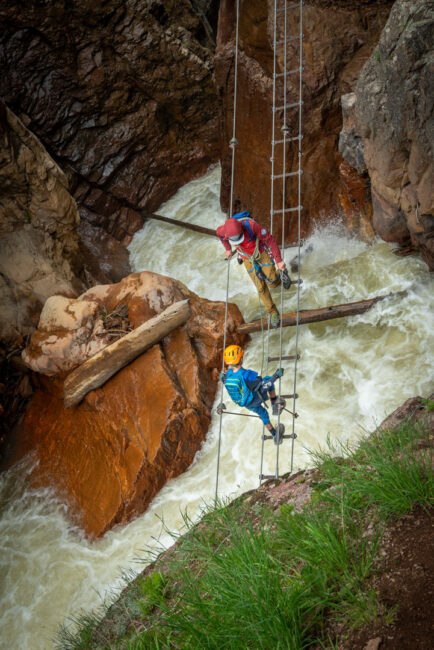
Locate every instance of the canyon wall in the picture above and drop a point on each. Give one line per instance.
(338, 38)
(39, 244)
(394, 102)
(120, 93)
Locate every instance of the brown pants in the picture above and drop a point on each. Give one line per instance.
(270, 272)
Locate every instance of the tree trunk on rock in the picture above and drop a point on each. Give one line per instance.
(94, 372)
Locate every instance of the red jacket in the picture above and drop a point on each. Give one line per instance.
(249, 246)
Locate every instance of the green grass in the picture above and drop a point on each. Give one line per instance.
(248, 577)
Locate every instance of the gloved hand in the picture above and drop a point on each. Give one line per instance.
(222, 377)
(279, 372)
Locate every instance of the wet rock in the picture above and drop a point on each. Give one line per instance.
(402, 413)
(395, 97)
(356, 203)
(121, 92)
(350, 142)
(105, 259)
(110, 455)
(338, 38)
(39, 244)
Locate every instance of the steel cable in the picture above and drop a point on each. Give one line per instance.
(233, 144)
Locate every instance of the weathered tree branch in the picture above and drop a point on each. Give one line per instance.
(317, 315)
(94, 372)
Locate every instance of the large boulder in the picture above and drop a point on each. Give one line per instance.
(395, 118)
(338, 38)
(39, 244)
(110, 455)
(120, 91)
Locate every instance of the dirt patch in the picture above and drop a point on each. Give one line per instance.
(405, 582)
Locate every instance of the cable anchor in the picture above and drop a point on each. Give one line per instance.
(221, 407)
(233, 143)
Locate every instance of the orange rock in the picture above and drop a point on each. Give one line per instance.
(110, 455)
(355, 201)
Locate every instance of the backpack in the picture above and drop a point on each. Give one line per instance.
(245, 218)
(237, 388)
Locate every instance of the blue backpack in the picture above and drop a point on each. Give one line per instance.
(245, 218)
(237, 388)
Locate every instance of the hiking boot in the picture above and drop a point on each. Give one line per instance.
(278, 434)
(278, 405)
(275, 319)
(286, 280)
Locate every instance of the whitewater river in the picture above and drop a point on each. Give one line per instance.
(352, 373)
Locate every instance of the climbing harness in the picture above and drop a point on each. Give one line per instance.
(280, 110)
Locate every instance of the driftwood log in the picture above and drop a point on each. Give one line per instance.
(181, 224)
(317, 315)
(94, 372)
(192, 226)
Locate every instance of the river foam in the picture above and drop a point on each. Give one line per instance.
(352, 373)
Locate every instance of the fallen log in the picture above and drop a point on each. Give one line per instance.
(317, 315)
(181, 224)
(192, 226)
(94, 372)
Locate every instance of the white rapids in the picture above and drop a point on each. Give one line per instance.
(352, 373)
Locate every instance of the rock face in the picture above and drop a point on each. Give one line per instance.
(110, 455)
(39, 245)
(355, 198)
(395, 98)
(121, 92)
(338, 38)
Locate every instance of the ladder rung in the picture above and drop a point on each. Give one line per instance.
(293, 245)
(289, 436)
(292, 139)
(289, 7)
(288, 72)
(290, 39)
(289, 210)
(294, 395)
(288, 106)
(244, 415)
(290, 357)
(300, 171)
(263, 477)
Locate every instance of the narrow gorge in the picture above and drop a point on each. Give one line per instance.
(114, 111)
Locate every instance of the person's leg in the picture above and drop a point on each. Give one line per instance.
(262, 289)
(269, 269)
(257, 408)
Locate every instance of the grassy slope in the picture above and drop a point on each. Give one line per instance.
(254, 576)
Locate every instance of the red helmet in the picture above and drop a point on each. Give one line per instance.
(234, 231)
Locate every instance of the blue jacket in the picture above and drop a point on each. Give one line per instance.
(237, 387)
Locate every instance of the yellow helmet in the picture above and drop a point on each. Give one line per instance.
(233, 355)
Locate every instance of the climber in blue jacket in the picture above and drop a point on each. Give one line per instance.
(247, 388)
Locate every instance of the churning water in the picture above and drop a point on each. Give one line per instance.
(352, 373)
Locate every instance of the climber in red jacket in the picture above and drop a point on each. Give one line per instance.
(251, 241)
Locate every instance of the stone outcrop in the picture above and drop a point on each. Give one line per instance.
(39, 244)
(394, 106)
(109, 456)
(122, 93)
(338, 38)
(355, 197)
